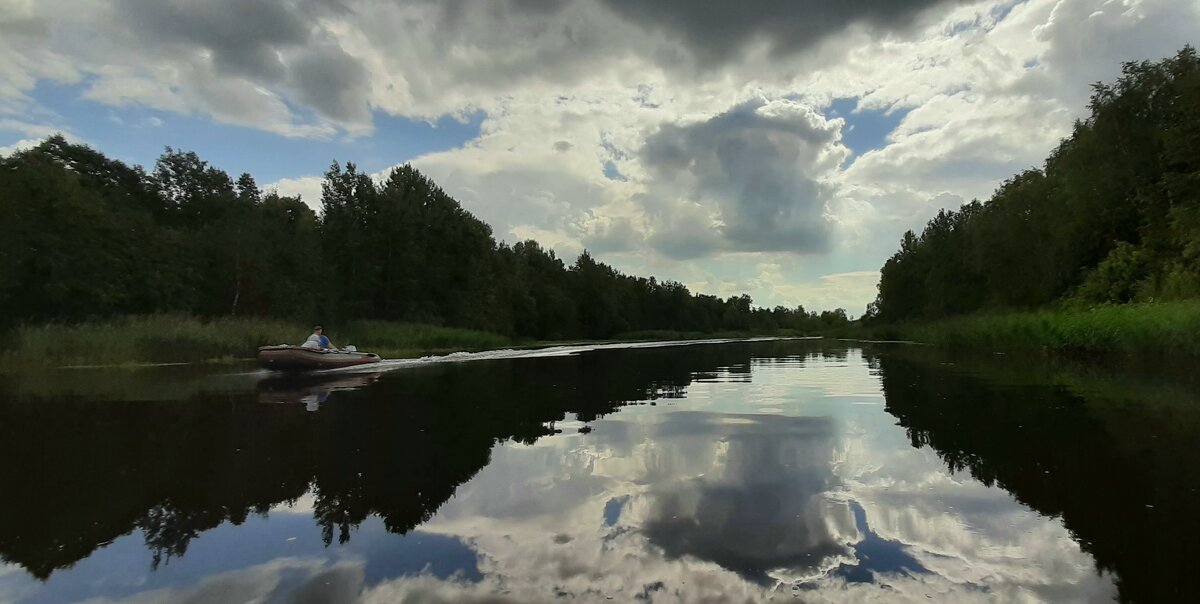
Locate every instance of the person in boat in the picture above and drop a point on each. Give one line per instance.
(318, 340)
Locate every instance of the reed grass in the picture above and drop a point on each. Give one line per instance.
(177, 338)
(167, 338)
(1150, 328)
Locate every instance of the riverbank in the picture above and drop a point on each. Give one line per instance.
(160, 339)
(140, 341)
(1167, 328)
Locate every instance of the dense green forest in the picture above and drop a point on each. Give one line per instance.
(1112, 217)
(88, 237)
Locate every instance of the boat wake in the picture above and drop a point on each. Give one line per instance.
(533, 353)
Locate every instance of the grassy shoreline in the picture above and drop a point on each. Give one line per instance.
(1164, 328)
(172, 339)
(1154, 329)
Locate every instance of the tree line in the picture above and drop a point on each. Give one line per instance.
(1112, 217)
(91, 237)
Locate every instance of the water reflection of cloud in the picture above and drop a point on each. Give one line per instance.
(711, 503)
(741, 492)
(15, 583)
(969, 535)
(302, 580)
(762, 512)
(304, 505)
(281, 550)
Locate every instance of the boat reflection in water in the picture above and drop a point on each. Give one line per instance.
(310, 389)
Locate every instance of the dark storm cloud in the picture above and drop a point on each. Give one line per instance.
(36, 28)
(564, 40)
(686, 236)
(268, 42)
(479, 47)
(617, 236)
(715, 29)
(333, 83)
(454, 10)
(243, 37)
(759, 163)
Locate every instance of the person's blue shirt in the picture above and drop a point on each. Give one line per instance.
(317, 341)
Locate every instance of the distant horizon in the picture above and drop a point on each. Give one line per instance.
(773, 150)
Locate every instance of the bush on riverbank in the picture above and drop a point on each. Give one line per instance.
(174, 338)
(1152, 328)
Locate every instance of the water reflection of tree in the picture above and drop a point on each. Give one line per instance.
(79, 474)
(1119, 474)
(168, 530)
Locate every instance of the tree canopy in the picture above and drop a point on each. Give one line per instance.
(1112, 217)
(91, 237)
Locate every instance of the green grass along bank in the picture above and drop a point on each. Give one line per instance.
(1152, 329)
(1169, 328)
(178, 338)
(181, 338)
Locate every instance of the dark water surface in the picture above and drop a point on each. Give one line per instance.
(743, 472)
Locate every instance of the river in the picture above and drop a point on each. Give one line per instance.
(799, 470)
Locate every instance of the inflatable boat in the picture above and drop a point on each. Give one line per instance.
(295, 358)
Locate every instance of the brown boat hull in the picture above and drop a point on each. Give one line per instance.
(295, 358)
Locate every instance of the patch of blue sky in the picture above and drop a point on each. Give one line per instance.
(865, 129)
(1002, 10)
(877, 556)
(612, 173)
(995, 15)
(610, 169)
(613, 508)
(137, 134)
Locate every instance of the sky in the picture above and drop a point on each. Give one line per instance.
(770, 147)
